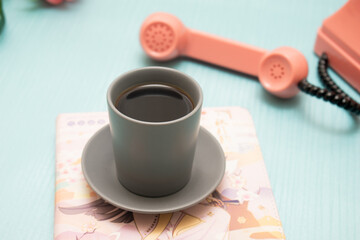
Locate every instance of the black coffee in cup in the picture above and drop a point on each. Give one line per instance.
(154, 103)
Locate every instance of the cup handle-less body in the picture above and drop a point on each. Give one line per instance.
(154, 158)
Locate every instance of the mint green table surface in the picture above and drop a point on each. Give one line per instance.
(55, 60)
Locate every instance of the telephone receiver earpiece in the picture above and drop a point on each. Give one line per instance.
(164, 37)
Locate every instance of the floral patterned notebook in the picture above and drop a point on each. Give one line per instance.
(242, 207)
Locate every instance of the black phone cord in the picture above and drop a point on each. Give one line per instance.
(332, 93)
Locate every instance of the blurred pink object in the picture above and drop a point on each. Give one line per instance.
(56, 2)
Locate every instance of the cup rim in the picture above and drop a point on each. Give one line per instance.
(115, 110)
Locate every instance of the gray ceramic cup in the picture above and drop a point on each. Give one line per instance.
(154, 159)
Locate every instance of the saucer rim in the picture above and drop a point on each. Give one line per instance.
(165, 209)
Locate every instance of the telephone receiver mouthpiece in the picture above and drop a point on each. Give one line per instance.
(163, 37)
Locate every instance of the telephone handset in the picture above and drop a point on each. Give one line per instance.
(282, 71)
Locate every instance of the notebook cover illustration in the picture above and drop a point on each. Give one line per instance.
(242, 207)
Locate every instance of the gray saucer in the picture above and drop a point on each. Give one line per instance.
(98, 167)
